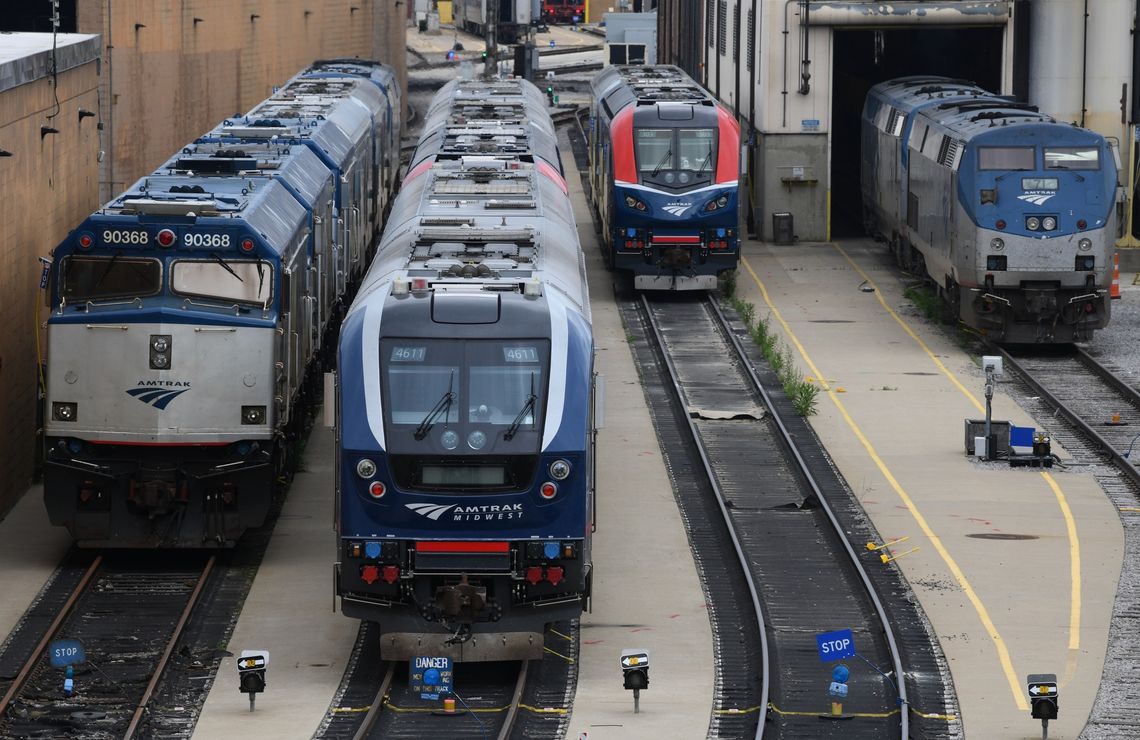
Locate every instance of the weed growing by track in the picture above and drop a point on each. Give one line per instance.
(779, 356)
(926, 300)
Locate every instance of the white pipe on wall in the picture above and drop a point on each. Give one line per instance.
(1056, 57)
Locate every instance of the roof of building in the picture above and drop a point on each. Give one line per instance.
(27, 57)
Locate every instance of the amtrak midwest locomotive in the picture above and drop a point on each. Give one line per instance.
(664, 175)
(465, 423)
(1010, 213)
(189, 311)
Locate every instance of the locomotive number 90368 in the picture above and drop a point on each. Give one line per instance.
(112, 236)
(206, 240)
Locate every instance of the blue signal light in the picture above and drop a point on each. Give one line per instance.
(243, 448)
(550, 550)
(371, 550)
(631, 232)
(720, 233)
(75, 446)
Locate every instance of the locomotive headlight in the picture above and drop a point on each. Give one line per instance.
(1084, 245)
(1033, 223)
(64, 411)
(560, 470)
(252, 414)
(366, 468)
(631, 201)
(449, 439)
(1049, 223)
(160, 351)
(997, 244)
(722, 201)
(476, 440)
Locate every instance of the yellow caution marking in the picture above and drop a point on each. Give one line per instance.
(736, 710)
(544, 710)
(566, 658)
(1130, 508)
(983, 614)
(865, 715)
(567, 638)
(1074, 564)
(351, 710)
(429, 710)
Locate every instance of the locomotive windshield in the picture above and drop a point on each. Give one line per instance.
(97, 278)
(675, 158)
(1006, 158)
(697, 149)
(1072, 158)
(228, 280)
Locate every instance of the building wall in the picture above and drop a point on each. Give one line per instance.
(48, 186)
(168, 78)
(161, 85)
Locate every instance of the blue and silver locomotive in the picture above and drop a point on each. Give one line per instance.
(189, 312)
(664, 175)
(1008, 212)
(465, 389)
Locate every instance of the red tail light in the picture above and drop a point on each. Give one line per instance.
(1081, 223)
(534, 575)
(247, 245)
(165, 238)
(1001, 223)
(391, 573)
(548, 490)
(554, 575)
(370, 574)
(376, 490)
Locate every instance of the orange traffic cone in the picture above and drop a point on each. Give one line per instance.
(1114, 291)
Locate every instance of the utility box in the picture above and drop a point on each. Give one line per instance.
(999, 429)
(783, 228)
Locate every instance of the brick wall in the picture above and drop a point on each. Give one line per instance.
(160, 85)
(48, 185)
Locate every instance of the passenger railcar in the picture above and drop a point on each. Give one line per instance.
(563, 11)
(188, 312)
(664, 175)
(1009, 213)
(465, 388)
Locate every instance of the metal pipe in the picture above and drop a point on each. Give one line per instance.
(1085, 63)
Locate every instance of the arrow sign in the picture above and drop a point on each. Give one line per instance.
(1043, 689)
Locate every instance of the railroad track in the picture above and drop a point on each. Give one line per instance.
(802, 575)
(1067, 385)
(519, 699)
(129, 619)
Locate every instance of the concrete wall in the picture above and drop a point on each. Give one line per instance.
(792, 177)
(162, 84)
(48, 186)
(174, 68)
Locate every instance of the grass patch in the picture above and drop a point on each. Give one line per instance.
(779, 357)
(927, 301)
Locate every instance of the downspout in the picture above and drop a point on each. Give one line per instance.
(110, 106)
(805, 37)
(1085, 63)
(784, 92)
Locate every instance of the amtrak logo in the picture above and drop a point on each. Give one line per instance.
(159, 393)
(1037, 199)
(461, 513)
(431, 511)
(678, 208)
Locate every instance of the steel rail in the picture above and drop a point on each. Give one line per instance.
(896, 658)
(729, 522)
(144, 700)
(516, 700)
(374, 710)
(1115, 456)
(49, 635)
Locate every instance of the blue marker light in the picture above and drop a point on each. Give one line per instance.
(720, 233)
(69, 682)
(75, 446)
(552, 43)
(372, 550)
(630, 232)
(550, 550)
(840, 673)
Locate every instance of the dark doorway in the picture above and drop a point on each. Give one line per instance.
(866, 57)
(36, 16)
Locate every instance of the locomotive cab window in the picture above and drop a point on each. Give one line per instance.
(1072, 158)
(99, 278)
(227, 280)
(1006, 158)
(697, 149)
(654, 149)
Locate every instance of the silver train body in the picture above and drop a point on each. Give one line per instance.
(465, 424)
(190, 312)
(1008, 212)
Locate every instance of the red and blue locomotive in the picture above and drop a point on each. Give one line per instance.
(664, 176)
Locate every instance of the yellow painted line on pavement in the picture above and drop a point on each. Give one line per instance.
(1070, 523)
(959, 576)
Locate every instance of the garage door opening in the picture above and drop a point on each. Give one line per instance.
(866, 57)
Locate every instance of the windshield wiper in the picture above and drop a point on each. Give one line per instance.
(528, 407)
(442, 406)
(260, 277)
(666, 158)
(107, 269)
(705, 161)
(222, 262)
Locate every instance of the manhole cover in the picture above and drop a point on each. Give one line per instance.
(1002, 536)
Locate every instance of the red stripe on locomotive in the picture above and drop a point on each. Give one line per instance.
(621, 143)
(728, 149)
(552, 173)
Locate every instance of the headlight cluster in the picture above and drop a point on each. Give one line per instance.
(1042, 223)
(634, 203)
(717, 204)
(160, 351)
